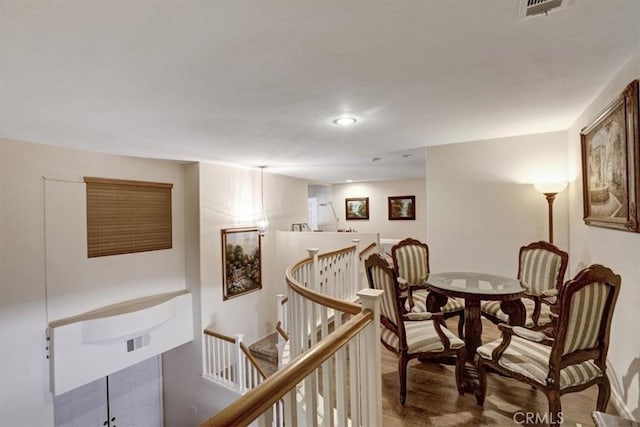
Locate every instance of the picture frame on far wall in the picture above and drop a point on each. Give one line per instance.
(611, 165)
(402, 208)
(356, 208)
(241, 261)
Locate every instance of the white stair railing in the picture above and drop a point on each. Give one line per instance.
(333, 377)
(229, 362)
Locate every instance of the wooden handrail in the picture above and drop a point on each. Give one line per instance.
(317, 297)
(219, 335)
(371, 246)
(337, 252)
(258, 400)
(282, 332)
(284, 300)
(253, 360)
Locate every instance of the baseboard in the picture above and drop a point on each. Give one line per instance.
(616, 398)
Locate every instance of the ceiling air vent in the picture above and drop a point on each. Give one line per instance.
(530, 8)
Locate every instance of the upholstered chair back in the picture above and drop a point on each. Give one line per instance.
(540, 269)
(586, 317)
(382, 278)
(411, 260)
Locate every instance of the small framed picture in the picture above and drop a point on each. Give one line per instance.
(402, 208)
(356, 208)
(295, 227)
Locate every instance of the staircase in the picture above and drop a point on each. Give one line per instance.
(265, 351)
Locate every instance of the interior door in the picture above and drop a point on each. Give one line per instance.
(135, 395)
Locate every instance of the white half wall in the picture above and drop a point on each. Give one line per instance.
(616, 249)
(481, 205)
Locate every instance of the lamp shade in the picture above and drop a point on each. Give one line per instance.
(550, 187)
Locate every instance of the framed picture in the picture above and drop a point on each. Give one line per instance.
(241, 261)
(402, 207)
(356, 208)
(303, 226)
(611, 165)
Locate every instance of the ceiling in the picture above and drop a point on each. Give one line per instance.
(259, 82)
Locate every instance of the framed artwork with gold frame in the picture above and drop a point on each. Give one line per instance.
(611, 165)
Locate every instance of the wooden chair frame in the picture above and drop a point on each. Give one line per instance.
(397, 327)
(415, 286)
(558, 360)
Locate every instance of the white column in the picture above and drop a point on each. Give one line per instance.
(315, 272)
(240, 376)
(371, 299)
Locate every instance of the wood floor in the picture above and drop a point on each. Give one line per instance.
(432, 398)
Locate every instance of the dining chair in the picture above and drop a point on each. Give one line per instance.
(575, 358)
(410, 335)
(541, 269)
(411, 263)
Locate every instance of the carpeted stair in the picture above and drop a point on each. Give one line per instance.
(265, 351)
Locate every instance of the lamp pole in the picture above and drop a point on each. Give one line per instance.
(550, 198)
(550, 190)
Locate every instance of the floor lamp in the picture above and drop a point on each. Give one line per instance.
(550, 189)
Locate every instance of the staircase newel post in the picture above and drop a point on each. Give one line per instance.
(355, 284)
(371, 299)
(240, 368)
(315, 269)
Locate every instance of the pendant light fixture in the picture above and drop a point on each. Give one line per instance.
(263, 221)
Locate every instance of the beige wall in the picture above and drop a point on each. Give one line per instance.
(619, 250)
(481, 205)
(37, 289)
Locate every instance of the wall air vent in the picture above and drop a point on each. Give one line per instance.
(530, 8)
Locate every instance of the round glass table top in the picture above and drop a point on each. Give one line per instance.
(475, 283)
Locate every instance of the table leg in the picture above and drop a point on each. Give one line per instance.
(472, 327)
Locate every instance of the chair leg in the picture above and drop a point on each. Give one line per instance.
(604, 392)
(555, 408)
(460, 371)
(461, 325)
(481, 391)
(402, 371)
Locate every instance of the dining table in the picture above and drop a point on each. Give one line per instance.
(475, 288)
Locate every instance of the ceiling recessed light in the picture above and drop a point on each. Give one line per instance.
(345, 121)
(349, 180)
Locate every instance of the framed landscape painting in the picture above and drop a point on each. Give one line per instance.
(402, 207)
(356, 208)
(611, 165)
(241, 261)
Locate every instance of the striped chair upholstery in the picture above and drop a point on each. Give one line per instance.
(420, 303)
(585, 317)
(575, 358)
(531, 360)
(541, 270)
(411, 263)
(410, 335)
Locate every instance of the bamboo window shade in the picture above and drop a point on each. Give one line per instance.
(127, 216)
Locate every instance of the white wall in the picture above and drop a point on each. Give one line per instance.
(619, 250)
(36, 290)
(378, 193)
(481, 206)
